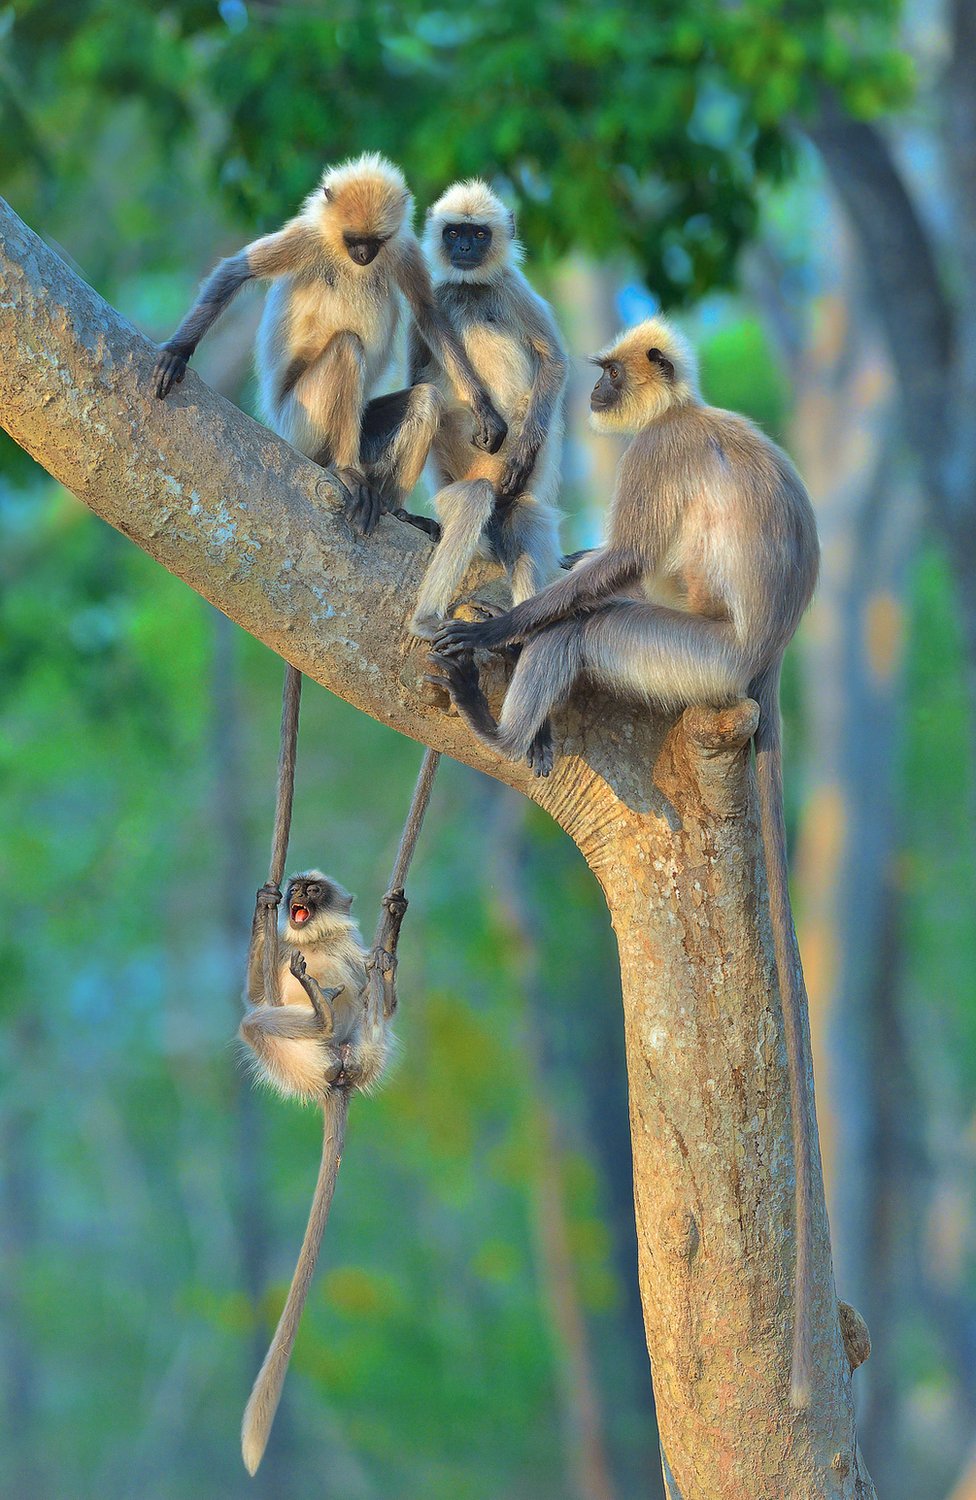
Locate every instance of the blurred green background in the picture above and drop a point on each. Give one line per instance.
(797, 181)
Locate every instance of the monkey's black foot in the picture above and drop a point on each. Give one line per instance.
(432, 528)
(458, 676)
(541, 753)
(457, 637)
(169, 371)
(364, 504)
(268, 898)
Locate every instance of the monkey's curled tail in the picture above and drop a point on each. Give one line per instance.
(769, 773)
(266, 1393)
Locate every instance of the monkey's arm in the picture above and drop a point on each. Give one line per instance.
(265, 921)
(383, 957)
(273, 255)
(414, 281)
(593, 580)
(543, 338)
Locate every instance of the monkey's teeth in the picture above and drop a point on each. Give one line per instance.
(299, 914)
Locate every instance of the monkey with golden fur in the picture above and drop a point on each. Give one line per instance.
(710, 560)
(340, 271)
(319, 1039)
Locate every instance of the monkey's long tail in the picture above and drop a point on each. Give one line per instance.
(769, 772)
(266, 1393)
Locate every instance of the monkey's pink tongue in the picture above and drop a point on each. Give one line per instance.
(299, 914)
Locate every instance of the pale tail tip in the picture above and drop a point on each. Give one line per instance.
(252, 1452)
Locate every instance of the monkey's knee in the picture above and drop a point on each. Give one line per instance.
(426, 407)
(463, 505)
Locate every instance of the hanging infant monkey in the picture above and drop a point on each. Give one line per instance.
(319, 1007)
(711, 523)
(339, 270)
(503, 501)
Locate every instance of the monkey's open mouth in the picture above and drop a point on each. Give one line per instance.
(300, 914)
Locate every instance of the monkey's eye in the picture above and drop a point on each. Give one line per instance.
(314, 890)
(613, 371)
(479, 234)
(452, 234)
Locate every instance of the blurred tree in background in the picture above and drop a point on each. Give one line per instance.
(476, 1330)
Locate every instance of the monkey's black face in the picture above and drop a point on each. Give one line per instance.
(363, 249)
(609, 389)
(308, 897)
(466, 245)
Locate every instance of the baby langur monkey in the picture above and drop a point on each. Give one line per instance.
(712, 524)
(327, 335)
(503, 501)
(319, 1039)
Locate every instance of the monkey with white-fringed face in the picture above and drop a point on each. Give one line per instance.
(340, 270)
(710, 560)
(501, 503)
(319, 1039)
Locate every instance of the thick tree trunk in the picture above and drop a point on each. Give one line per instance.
(664, 813)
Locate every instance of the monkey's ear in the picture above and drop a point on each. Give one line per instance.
(327, 194)
(657, 358)
(512, 226)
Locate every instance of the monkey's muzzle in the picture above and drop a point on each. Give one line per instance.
(299, 914)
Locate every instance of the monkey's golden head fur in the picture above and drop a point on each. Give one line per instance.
(367, 197)
(471, 202)
(654, 368)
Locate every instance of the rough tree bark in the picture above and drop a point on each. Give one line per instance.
(664, 812)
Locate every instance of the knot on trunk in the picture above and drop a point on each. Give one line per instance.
(703, 762)
(854, 1332)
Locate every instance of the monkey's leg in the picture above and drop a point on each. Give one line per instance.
(666, 656)
(321, 416)
(464, 509)
(525, 539)
(398, 433)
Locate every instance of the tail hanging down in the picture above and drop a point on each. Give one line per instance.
(266, 1393)
(769, 771)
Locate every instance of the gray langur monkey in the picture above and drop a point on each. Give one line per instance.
(339, 271)
(711, 523)
(501, 502)
(319, 1040)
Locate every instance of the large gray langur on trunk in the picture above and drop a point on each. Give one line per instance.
(502, 503)
(712, 524)
(340, 270)
(326, 1039)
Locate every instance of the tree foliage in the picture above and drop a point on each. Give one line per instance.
(623, 127)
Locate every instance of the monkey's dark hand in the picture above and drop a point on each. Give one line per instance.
(269, 898)
(490, 429)
(169, 371)
(364, 505)
(458, 636)
(515, 476)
